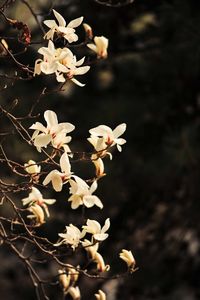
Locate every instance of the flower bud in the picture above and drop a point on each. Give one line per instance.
(64, 279)
(38, 214)
(101, 295)
(32, 168)
(3, 47)
(99, 165)
(88, 30)
(73, 273)
(127, 256)
(100, 263)
(74, 292)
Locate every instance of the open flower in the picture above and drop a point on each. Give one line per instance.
(59, 178)
(127, 256)
(103, 136)
(100, 295)
(32, 168)
(82, 194)
(42, 135)
(100, 46)
(62, 62)
(95, 229)
(71, 237)
(35, 197)
(61, 29)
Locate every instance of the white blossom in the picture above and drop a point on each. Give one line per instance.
(101, 266)
(99, 165)
(103, 136)
(74, 292)
(36, 198)
(64, 279)
(60, 28)
(62, 62)
(31, 167)
(100, 46)
(37, 213)
(100, 295)
(90, 247)
(71, 237)
(95, 229)
(59, 178)
(127, 256)
(82, 194)
(42, 135)
(88, 30)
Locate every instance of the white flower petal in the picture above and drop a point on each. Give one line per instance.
(38, 126)
(57, 183)
(50, 23)
(119, 130)
(59, 18)
(42, 140)
(51, 118)
(81, 70)
(77, 82)
(100, 236)
(75, 23)
(65, 164)
(93, 187)
(49, 201)
(106, 226)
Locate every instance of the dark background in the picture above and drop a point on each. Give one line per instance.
(151, 192)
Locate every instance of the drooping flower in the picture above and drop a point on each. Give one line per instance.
(61, 29)
(71, 237)
(37, 214)
(128, 257)
(59, 178)
(82, 194)
(99, 165)
(36, 198)
(31, 167)
(62, 62)
(103, 136)
(42, 135)
(101, 266)
(100, 46)
(74, 292)
(73, 273)
(100, 295)
(90, 247)
(64, 279)
(95, 229)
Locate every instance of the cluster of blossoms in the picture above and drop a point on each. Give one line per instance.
(62, 61)
(53, 139)
(54, 136)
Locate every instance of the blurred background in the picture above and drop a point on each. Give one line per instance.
(151, 81)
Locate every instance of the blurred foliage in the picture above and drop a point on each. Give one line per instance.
(151, 81)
